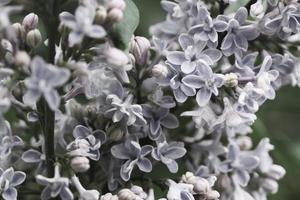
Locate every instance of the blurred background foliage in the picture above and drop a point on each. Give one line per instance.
(279, 119)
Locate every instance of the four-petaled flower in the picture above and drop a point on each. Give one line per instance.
(206, 81)
(134, 154)
(87, 143)
(43, 81)
(9, 179)
(81, 24)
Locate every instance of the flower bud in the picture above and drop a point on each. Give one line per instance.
(126, 194)
(34, 38)
(160, 71)
(244, 142)
(30, 21)
(80, 164)
(213, 194)
(231, 80)
(19, 30)
(115, 15)
(119, 4)
(109, 196)
(276, 172)
(139, 47)
(6, 45)
(270, 185)
(89, 195)
(116, 57)
(116, 134)
(101, 15)
(22, 59)
(257, 9)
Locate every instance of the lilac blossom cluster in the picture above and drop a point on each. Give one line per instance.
(84, 117)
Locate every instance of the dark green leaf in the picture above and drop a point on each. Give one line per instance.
(123, 31)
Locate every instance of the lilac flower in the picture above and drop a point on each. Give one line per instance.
(8, 143)
(234, 120)
(180, 191)
(87, 143)
(240, 163)
(238, 33)
(286, 23)
(193, 55)
(250, 98)
(35, 157)
(9, 179)
(266, 77)
(119, 109)
(168, 153)
(84, 194)
(43, 81)
(158, 118)
(206, 81)
(81, 24)
(56, 186)
(207, 28)
(134, 154)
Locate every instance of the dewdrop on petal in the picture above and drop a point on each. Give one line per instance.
(80, 164)
(160, 71)
(34, 38)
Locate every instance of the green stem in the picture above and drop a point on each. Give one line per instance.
(47, 116)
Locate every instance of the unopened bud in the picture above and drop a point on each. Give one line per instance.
(30, 21)
(109, 196)
(270, 185)
(116, 134)
(276, 172)
(257, 9)
(116, 57)
(19, 30)
(101, 15)
(160, 71)
(115, 15)
(89, 195)
(139, 47)
(126, 194)
(80, 164)
(212, 195)
(231, 80)
(201, 185)
(119, 4)
(6, 45)
(22, 59)
(34, 38)
(244, 142)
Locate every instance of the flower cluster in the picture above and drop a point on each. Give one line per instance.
(99, 111)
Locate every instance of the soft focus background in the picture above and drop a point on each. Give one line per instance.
(279, 119)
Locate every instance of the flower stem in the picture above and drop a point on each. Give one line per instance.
(47, 116)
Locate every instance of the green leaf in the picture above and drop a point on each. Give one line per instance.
(123, 31)
(235, 6)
